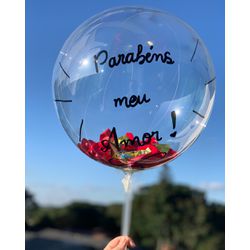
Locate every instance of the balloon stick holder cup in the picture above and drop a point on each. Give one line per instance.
(127, 181)
(127, 206)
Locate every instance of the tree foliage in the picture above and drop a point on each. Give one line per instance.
(178, 217)
(164, 216)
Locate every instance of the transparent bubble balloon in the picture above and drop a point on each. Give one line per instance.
(133, 87)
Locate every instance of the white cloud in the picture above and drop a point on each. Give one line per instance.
(212, 186)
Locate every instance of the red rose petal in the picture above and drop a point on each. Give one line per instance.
(142, 161)
(130, 136)
(105, 135)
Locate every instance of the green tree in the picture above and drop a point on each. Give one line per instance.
(165, 174)
(216, 235)
(113, 216)
(31, 207)
(170, 215)
(165, 216)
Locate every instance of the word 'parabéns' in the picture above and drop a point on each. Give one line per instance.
(146, 139)
(132, 101)
(102, 57)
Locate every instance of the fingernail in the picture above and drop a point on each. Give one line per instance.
(132, 243)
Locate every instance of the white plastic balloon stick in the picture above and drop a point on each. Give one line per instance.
(127, 207)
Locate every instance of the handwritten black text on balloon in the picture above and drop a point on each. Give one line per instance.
(132, 101)
(146, 139)
(103, 57)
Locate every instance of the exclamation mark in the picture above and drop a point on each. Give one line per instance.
(173, 116)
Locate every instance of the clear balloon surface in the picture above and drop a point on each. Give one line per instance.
(133, 87)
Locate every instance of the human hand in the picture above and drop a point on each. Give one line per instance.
(120, 243)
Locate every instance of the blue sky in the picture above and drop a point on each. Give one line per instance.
(56, 172)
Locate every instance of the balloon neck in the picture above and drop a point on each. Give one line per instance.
(127, 180)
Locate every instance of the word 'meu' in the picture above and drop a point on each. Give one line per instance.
(103, 57)
(132, 101)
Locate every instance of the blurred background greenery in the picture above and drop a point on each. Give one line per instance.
(166, 216)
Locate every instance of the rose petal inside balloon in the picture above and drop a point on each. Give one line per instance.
(135, 156)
